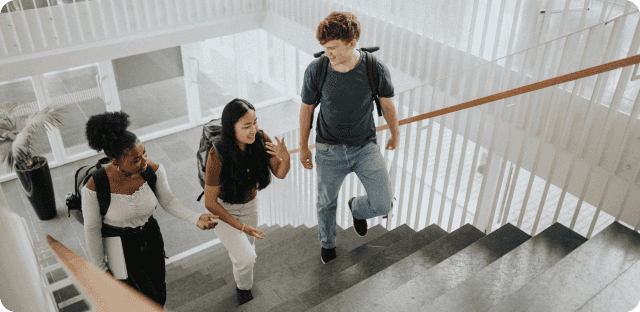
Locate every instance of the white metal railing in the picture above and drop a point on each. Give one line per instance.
(417, 37)
(569, 126)
(54, 24)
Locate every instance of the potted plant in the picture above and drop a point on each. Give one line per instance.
(17, 149)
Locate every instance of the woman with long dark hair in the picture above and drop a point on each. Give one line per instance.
(239, 165)
(132, 203)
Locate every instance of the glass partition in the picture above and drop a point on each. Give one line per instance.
(79, 91)
(232, 67)
(152, 90)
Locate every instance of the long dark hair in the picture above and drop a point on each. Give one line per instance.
(108, 132)
(236, 182)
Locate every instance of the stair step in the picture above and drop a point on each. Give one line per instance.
(580, 275)
(319, 284)
(274, 236)
(449, 273)
(622, 295)
(406, 269)
(512, 271)
(209, 252)
(221, 255)
(192, 285)
(362, 272)
(346, 241)
(268, 263)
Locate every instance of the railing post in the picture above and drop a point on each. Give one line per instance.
(492, 171)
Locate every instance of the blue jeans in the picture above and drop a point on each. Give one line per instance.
(333, 164)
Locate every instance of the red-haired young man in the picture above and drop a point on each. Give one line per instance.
(345, 131)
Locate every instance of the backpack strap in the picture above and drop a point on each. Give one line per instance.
(103, 190)
(374, 76)
(321, 75)
(150, 176)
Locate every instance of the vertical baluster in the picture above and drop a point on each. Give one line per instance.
(23, 16)
(407, 142)
(496, 36)
(636, 108)
(147, 13)
(585, 10)
(485, 28)
(80, 30)
(39, 20)
(168, 11)
(434, 106)
(516, 18)
(135, 12)
(420, 94)
(564, 19)
(18, 45)
(607, 57)
(103, 20)
(125, 12)
(189, 10)
(478, 144)
(178, 12)
(467, 84)
(562, 141)
(116, 22)
(539, 150)
(508, 84)
(490, 89)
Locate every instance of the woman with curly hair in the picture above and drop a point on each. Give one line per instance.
(132, 203)
(239, 165)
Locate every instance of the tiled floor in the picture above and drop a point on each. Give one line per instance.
(177, 154)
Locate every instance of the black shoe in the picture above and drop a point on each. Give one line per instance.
(359, 225)
(244, 296)
(327, 255)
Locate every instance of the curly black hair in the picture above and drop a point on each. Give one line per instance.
(108, 132)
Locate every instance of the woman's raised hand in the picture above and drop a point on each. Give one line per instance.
(249, 230)
(279, 150)
(206, 221)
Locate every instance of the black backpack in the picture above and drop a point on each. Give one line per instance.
(103, 189)
(211, 132)
(372, 74)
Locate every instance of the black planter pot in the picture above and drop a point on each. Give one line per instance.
(38, 187)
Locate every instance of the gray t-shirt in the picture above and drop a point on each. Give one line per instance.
(346, 105)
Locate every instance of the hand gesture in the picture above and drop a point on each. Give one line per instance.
(392, 143)
(249, 230)
(279, 150)
(206, 222)
(305, 158)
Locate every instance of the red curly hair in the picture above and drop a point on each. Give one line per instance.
(338, 26)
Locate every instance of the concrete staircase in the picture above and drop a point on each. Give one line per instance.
(429, 270)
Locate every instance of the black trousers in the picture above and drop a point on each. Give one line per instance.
(144, 256)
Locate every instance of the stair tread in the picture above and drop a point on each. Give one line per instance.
(580, 275)
(264, 271)
(405, 269)
(372, 266)
(451, 272)
(347, 240)
(221, 256)
(317, 285)
(213, 250)
(623, 294)
(223, 270)
(513, 270)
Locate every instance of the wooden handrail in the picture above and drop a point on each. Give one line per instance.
(632, 60)
(106, 292)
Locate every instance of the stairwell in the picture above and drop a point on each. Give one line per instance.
(428, 270)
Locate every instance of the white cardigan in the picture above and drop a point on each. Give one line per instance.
(129, 211)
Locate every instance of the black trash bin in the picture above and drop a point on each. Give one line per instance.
(38, 187)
